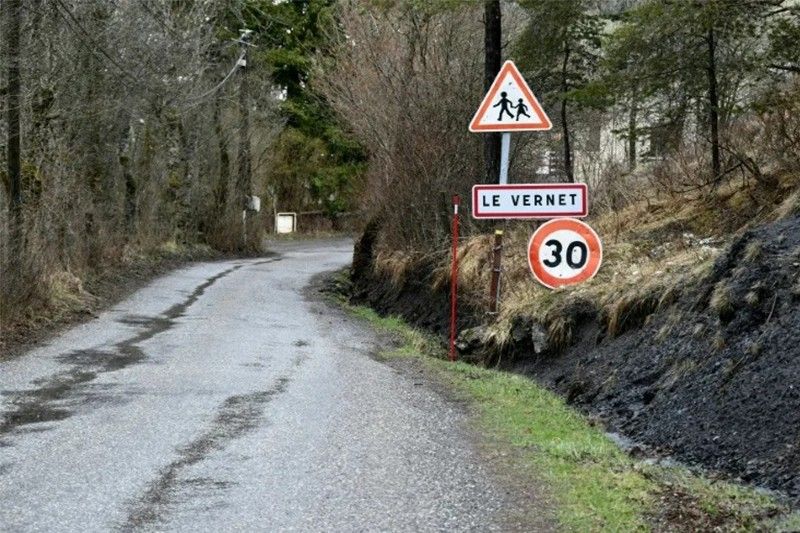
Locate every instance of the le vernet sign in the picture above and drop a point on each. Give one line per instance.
(542, 200)
(563, 251)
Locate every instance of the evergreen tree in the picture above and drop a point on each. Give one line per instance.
(691, 57)
(560, 50)
(289, 35)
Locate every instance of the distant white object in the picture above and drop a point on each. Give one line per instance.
(254, 204)
(242, 62)
(285, 223)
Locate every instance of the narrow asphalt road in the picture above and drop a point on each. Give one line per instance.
(222, 397)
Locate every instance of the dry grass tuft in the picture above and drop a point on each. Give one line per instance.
(560, 332)
(753, 251)
(673, 319)
(718, 342)
(755, 348)
(752, 299)
(796, 287)
(722, 302)
(563, 319)
(394, 265)
(474, 258)
(652, 250)
(66, 292)
(789, 207)
(632, 310)
(677, 371)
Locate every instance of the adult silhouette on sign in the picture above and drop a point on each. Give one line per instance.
(522, 109)
(504, 105)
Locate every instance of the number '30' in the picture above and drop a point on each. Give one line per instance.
(575, 248)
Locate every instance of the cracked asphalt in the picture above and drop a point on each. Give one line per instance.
(222, 398)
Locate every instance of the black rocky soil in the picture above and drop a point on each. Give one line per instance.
(715, 385)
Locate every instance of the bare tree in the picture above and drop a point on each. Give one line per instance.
(406, 80)
(13, 18)
(120, 127)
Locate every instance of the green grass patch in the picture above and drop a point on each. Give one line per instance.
(591, 479)
(595, 485)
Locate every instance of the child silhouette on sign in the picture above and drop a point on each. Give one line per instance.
(522, 109)
(504, 105)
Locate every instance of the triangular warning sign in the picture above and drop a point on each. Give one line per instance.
(509, 105)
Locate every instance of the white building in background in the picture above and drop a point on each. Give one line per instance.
(597, 148)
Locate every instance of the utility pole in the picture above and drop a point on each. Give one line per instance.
(245, 178)
(13, 21)
(494, 143)
(493, 34)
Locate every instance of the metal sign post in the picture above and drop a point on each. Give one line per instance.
(505, 151)
(508, 106)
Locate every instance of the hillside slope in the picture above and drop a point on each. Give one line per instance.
(713, 378)
(686, 342)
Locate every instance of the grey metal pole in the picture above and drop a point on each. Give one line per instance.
(505, 148)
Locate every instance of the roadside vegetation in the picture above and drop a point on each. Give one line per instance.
(135, 127)
(651, 101)
(71, 299)
(683, 145)
(682, 118)
(592, 484)
(652, 249)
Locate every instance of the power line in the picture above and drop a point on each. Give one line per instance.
(219, 85)
(94, 44)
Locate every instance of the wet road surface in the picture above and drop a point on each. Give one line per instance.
(222, 398)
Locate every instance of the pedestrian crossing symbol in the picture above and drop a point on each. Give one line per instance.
(509, 106)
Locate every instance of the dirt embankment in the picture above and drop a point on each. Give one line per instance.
(708, 372)
(416, 296)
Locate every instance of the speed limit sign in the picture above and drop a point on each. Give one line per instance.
(563, 252)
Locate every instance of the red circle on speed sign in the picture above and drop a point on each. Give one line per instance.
(563, 252)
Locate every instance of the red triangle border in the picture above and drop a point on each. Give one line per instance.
(544, 121)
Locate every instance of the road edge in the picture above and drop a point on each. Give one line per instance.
(534, 508)
(101, 291)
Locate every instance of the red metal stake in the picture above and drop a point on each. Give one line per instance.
(454, 281)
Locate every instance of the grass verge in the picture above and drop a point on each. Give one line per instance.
(594, 484)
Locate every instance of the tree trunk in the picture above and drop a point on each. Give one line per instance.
(14, 152)
(632, 133)
(713, 107)
(126, 156)
(493, 62)
(223, 182)
(183, 205)
(568, 170)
